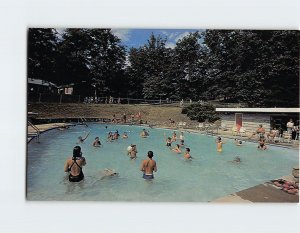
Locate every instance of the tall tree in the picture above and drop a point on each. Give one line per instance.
(42, 48)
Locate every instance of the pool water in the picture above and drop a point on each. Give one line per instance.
(208, 176)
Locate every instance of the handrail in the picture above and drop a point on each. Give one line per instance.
(38, 132)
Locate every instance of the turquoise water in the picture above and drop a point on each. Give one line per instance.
(208, 176)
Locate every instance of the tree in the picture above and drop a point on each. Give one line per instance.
(42, 48)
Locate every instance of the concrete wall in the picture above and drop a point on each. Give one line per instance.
(250, 121)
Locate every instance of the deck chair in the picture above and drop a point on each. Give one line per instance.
(200, 126)
(181, 124)
(223, 127)
(287, 137)
(242, 131)
(234, 131)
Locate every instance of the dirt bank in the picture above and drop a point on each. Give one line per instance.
(153, 114)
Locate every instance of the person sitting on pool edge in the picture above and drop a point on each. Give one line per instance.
(219, 144)
(177, 149)
(144, 134)
(187, 154)
(74, 165)
(81, 140)
(148, 166)
(97, 142)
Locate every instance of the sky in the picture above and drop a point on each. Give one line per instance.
(138, 37)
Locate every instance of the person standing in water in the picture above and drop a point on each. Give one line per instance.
(148, 166)
(81, 139)
(219, 144)
(74, 165)
(187, 154)
(97, 142)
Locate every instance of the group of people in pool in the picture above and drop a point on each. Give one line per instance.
(74, 164)
(177, 148)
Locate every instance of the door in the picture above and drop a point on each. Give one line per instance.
(238, 120)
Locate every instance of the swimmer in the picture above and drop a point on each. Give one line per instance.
(144, 134)
(116, 135)
(187, 154)
(177, 149)
(219, 144)
(97, 142)
(124, 135)
(174, 137)
(133, 152)
(148, 166)
(107, 172)
(238, 142)
(237, 159)
(110, 137)
(181, 143)
(262, 145)
(181, 137)
(81, 140)
(74, 165)
(169, 143)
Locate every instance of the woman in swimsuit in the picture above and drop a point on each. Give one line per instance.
(219, 144)
(262, 145)
(97, 142)
(74, 165)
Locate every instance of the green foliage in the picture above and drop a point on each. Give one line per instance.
(258, 68)
(201, 112)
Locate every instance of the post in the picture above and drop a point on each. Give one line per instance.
(60, 99)
(40, 95)
(79, 99)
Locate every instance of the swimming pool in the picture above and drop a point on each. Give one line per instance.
(208, 176)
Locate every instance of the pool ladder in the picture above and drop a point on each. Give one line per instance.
(37, 132)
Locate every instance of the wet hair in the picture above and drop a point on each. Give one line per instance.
(77, 151)
(188, 149)
(150, 154)
(219, 138)
(178, 145)
(169, 138)
(182, 141)
(96, 138)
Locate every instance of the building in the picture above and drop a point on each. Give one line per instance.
(250, 118)
(37, 86)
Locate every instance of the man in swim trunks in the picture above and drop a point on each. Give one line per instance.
(148, 166)
(74, 165)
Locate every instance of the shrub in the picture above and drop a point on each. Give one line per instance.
(201, 112)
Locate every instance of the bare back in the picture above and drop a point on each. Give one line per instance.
(148, 166)
(75, 167)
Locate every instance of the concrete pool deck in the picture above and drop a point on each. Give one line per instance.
(266, 192)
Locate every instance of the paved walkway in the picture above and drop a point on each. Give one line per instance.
(266, 192)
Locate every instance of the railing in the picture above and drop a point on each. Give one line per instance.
(38, 132)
